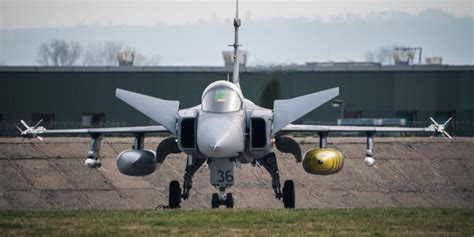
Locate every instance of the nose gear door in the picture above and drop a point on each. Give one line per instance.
(222, 172)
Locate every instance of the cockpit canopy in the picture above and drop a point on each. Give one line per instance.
(221, 99)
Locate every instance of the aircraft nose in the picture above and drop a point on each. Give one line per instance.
(220, 136)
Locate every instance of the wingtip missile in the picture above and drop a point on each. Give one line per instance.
(440, 129)
(19, 129)
(38, 123)
(31, 132)
(24, 124)
(447, 121)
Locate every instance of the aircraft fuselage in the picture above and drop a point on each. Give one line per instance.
(225, 125)
(221, 135)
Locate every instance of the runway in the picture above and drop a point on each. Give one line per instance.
(411, 172)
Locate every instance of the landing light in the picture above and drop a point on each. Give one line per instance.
(337, 103)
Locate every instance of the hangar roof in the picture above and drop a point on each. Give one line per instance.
(289, 68)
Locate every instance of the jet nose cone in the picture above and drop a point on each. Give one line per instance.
(220, 136)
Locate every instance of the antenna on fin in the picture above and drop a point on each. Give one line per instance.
(237, 9)
(237, 22)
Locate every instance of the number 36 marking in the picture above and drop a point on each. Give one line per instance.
(225, 176)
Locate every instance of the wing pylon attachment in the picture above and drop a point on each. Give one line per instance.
(161, 111)
(287, 111)
(324, 130)
(438, 129)
(93, 155)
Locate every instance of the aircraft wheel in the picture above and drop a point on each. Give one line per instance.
(229, 201)
(175, 195)
(289, 194)
(215, 200)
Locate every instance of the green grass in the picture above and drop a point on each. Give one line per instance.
(253, 222)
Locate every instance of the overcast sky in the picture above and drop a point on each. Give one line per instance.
(17, 14)
(195, 32)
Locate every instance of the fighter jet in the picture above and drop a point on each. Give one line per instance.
(225, 131)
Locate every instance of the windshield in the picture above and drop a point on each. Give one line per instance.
(221, 100)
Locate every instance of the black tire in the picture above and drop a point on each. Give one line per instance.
(175, 195)
(215, 201)
(289, 194)
(229, 201)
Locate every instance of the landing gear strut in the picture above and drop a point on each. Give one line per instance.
(269, 162)
(193, 165)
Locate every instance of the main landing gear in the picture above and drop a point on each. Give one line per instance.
(174, 200)
(222, 177)
(175, 191)
(287, 195)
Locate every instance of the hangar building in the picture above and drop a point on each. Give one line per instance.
(68, 97)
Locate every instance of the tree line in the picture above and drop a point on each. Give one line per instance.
(59, 52)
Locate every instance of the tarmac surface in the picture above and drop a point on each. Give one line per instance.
(411, 172)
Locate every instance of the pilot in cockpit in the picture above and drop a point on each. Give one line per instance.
(221, 100)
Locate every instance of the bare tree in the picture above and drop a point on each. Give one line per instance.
(141, 60)
(103, 54)
(59, 53)
(369, 56)
(383, 55)
(271, 92)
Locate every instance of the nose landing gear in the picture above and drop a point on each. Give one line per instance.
(217, 200)
(222, 177)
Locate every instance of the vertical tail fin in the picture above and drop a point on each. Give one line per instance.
(235, 74)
